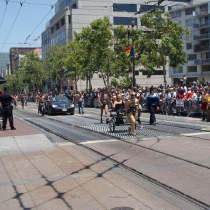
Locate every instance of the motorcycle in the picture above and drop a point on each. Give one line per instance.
(42, 108)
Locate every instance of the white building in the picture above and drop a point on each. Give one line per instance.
(197, 46)
(73, 15)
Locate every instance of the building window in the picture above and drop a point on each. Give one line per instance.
(147, 8)
(206, 68)
(189, 46)
(189, 11)
(192, 57)
(62, 21)
(52, 30)
(156, 72)
(57, 26)
(74, 6)
(124, 20)
(191, 69)
(124, 7)
(189, 22)
(178, 70)
(69, 19)
(136, 72)
(176, 14)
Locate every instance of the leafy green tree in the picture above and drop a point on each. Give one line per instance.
(161, 43)
(55, 63)
(16, 82)
(31, 68)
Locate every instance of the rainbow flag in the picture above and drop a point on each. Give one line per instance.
(127, 51)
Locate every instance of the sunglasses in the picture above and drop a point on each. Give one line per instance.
(133, 95)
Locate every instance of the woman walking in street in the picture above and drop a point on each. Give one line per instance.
(152, 102)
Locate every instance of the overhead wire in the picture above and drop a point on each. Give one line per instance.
(52, 6)
(21, 4)
(26, 2)
(4, 13)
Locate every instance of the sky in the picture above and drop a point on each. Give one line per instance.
(17, 24)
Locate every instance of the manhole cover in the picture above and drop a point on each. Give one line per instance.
(122, 208)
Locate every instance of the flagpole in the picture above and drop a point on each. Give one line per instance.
(132, 50)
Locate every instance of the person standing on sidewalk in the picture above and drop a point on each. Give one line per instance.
(152, 102)
(6, 100)
(81, 103)
(204, 103)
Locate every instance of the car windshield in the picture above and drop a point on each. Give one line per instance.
(59, 99)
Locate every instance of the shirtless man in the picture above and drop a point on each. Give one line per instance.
(103, 101)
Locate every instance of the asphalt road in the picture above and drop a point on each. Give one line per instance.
(174, 152)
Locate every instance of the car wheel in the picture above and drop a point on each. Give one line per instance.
(50, 112)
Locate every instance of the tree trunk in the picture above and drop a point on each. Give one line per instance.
(164, 70)
(90, 84)
(108, 71)
(87, 78)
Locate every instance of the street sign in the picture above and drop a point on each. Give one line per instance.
(179, 103)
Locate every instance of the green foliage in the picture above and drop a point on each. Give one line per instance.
(162, 42)
(202, 81)
(29, 74)
(124, 83)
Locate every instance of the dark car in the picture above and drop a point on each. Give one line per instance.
(59, 104)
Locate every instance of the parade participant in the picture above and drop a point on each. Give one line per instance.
(22, 100)
(152, 102)
(15, 98)
(103, 101)
(132, 106)
(42, 103)
(204, 103)
(81, 103)
(118, 106)
(6, 100)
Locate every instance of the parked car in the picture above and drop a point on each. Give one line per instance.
(59, 104)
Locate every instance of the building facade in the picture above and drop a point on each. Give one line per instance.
(16, 53)
(4, 61)
(196, 17)
(73, 15)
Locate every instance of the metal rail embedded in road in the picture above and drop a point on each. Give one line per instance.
(172, 190)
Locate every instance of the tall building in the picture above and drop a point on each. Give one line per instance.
(4, 60)
(73, 15)
(197, 45)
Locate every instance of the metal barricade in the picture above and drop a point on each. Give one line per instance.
(195, 108)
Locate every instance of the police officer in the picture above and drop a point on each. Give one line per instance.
(132, 107)
(6, 100)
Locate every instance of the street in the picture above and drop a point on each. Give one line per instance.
(164, 167)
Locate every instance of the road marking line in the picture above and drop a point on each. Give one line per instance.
(193, 134)
(175, 122)
(99, 141)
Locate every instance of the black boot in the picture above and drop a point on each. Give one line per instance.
(139, 121)
(101, 120)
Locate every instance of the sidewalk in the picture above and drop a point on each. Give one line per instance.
(35, 174)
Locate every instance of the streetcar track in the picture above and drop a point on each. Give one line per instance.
(138, 173)
(127, 141)
(153, 128)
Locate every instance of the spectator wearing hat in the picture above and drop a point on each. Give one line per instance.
(6, 100)
(152, 102)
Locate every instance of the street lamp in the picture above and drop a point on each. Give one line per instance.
(129, 30)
